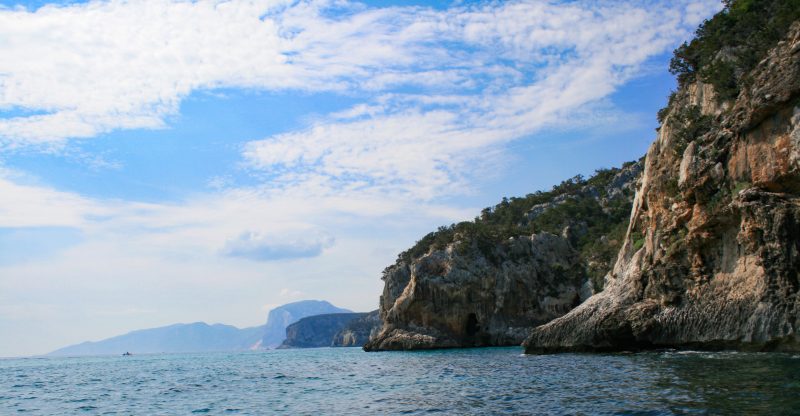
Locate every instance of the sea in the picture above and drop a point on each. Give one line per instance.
(348, 381)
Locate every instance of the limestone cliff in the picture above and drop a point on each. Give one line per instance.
(522, 263)
(711, 256)
(318, 330)
(284, 315)
(358, 331)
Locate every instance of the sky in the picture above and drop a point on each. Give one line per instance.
(167, 161)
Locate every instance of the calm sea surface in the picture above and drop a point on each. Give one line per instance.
(349, 381)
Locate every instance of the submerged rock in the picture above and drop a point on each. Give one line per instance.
(712, 253)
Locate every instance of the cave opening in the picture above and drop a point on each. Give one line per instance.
(472, 325)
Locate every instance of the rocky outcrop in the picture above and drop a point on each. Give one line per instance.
(284, 315)
(472, 291)
(318, 331)
(712, 252)
(358, 331)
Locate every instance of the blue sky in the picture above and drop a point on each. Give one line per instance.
(166, 161)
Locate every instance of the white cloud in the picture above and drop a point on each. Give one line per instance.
(287, 293)
(90, 68)
(518, 67)
(263, 247)
(485, 74)
(27, 205)
(95, 67)
(697, 12)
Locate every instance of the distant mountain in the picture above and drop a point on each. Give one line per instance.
(283, 316)
(202, 337)
(196, 337)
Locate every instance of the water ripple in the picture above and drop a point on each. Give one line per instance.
(349, 381)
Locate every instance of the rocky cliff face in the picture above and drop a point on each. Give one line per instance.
(284, 315)
(358, 331)
(474, 285)
(318, 331)
(712, 253)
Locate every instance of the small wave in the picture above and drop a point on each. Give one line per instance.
(79, 400)
(453, 382)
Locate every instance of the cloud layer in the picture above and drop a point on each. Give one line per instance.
(440, 89)
(255, 246)
(488, 74)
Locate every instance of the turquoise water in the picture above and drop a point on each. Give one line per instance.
(349, 381)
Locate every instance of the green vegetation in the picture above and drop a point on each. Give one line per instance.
(740, 186)
(729, 45)
(671, 187)
(638, 240)
(662, 113)
(689, 124)
(510, 218)
(676, 242)
(719, 199)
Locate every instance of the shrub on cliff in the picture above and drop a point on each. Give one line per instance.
(575, 202)
(730, 44)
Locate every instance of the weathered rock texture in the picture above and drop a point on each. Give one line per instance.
(358, 331)
(711, 254)
(476, 292)
(318, 331)
(284, 315)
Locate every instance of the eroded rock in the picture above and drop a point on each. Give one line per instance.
(477, 292)
(712, 263)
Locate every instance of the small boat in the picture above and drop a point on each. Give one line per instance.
(126, 354)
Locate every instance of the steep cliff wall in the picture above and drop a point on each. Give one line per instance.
(284, 315)
(712, 253)
(318, 331)
(521, 264)
(358, 331)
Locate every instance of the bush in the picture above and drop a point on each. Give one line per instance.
(509, 219)
(664, 112)
(689, 124)
(740, 186)
(671, 187)
(638, 240)
(730, 44)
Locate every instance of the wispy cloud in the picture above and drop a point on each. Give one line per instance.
(498, 73)
(448, 86)
(254, 223)
(261, 247)
(90, 68)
